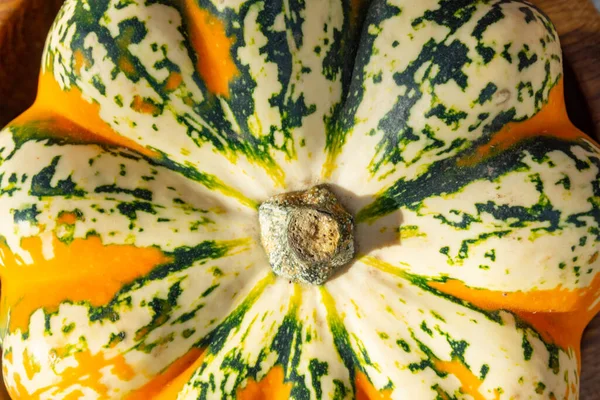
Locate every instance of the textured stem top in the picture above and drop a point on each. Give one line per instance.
(307, 235)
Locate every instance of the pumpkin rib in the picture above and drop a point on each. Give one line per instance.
(39, 125)
(401, 106)
(67, 198)
(397, 324)
(183, 115)
(424, 197)
(484, 242)
(548, 318)
(85, 82)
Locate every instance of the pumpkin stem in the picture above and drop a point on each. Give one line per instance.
(307, 235)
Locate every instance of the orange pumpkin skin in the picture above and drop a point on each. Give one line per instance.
(133, 267)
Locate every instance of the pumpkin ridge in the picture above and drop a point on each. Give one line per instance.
(210, 342)
(431, 67)
(544, 216)
(545, 321)
(35, 125)
(405, 193)
(429, 350)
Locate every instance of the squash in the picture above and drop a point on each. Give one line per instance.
(298, 199)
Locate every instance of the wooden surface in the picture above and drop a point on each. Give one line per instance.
(577, 22)
(23, 28)
(578, 25)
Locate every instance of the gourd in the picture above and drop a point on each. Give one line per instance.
(297, 199)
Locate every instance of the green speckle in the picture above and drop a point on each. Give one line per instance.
(565, 182)
(139, 193)
(27, 214)
(491, 255)
(487, 92)
(68, 328)
(209, 290)
(130, 209)
(426, 329)
(527, 349)
(409, 231)
(97, 83)
(525, 59)
(562, 265)
(505, 54)
(402, 343)
(188, 315)
(450, 117)
(484, 371)
(486, 53)
(161, 310)
(188, 332)
(540, 387)
(124, 3)
(317, 370)
(41, 183)
(437, 316)
(528, 13)
(115, 339)
(340, 392)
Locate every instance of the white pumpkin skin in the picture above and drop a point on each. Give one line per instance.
(389, 113)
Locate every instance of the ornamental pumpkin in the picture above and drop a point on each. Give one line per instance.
(298, 199)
